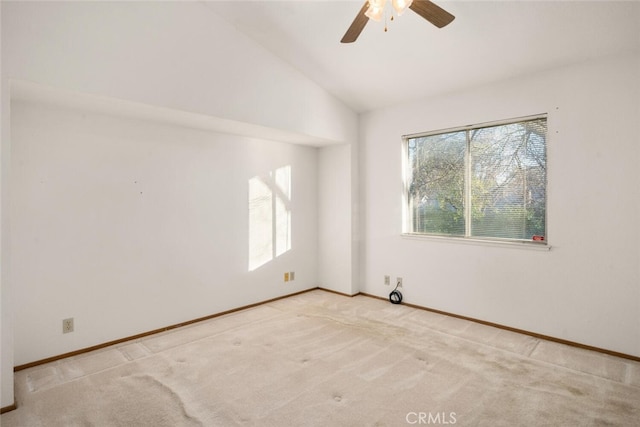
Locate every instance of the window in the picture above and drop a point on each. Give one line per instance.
(483, 182)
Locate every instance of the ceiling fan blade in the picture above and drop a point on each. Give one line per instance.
(432, 12)
(357, 25)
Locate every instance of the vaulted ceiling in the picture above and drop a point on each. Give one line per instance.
(488, 41)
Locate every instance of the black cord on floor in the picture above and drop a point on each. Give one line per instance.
(395, 297)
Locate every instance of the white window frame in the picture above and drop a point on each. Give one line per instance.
(467, 238)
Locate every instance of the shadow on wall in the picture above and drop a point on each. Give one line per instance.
(269, 216)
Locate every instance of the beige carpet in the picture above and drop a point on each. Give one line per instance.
(320, 359)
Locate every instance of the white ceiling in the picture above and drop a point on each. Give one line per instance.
(488, 41)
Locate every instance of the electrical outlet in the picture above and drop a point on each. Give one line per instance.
(399, 282)
(387, 280)
(292, 276)
(286, 276)
(67, 325)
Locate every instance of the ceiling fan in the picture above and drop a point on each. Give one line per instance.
(374, 9)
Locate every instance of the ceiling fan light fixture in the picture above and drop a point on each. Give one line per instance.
(375, 10)
(401, 5)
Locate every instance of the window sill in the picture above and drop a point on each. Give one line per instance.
(517, 244)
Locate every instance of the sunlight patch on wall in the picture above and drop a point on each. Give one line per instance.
(269, 216)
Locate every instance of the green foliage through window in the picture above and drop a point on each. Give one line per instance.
(486, 182)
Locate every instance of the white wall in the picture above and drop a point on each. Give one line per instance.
(336, 259)
(129, 226)
(587, 288)
(178, 55)
(183, 58)
(6, 317)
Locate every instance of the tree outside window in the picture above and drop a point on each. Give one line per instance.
(486, 181)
